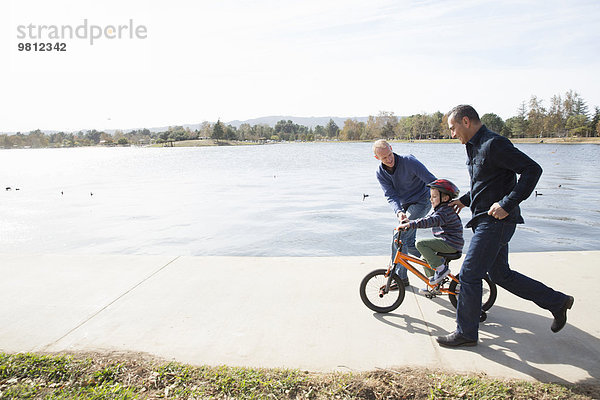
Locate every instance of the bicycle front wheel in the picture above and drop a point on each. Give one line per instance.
(373, 291)
(488, 297)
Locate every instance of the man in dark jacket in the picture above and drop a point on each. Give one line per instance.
(494, 198)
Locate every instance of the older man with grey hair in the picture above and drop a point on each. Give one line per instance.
(404, 181)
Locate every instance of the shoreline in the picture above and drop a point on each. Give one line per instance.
(210, 142)
(567, 140)
(226, 143)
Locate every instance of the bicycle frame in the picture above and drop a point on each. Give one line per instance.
(379, 283)
(405, 260)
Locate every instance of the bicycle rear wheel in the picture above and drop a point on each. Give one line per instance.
(372, 291)
(488, 297)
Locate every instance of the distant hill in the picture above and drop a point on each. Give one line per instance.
(310, 122)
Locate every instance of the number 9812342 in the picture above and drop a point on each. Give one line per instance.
(42, 46)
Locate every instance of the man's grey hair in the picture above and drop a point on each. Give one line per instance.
(463, 110)
(381, 144)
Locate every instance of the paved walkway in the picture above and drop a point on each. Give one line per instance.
(289, 312)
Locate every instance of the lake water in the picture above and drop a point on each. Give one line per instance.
(295, 199)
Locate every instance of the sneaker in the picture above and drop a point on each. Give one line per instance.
(423, 291)
(439, 275)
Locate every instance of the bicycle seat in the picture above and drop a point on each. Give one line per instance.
(450, 256)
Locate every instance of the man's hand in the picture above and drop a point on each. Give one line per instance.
(497, 212)
(402, 217)
(456, 205)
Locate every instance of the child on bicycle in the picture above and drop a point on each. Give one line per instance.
(446, 227)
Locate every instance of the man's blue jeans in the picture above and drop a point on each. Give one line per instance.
(414, 211)
(488, 254)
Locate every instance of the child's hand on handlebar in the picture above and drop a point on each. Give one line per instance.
(403, 220)
(404, 225)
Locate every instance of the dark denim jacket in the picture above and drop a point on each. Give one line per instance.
(493, 164)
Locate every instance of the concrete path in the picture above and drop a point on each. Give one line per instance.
(289, 312)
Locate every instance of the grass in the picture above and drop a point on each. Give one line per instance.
(138, 376)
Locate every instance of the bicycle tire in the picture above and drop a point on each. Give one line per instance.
(489, 293)
(371, 296)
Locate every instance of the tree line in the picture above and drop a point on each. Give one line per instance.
(565, 115)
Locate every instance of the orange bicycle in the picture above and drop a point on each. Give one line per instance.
(382, 290)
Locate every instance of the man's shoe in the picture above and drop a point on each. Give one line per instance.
(424, 291)
(560, 317)
(406, 282)
(455, 340)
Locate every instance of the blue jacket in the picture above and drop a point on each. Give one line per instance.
(407, 184)
(493, 164)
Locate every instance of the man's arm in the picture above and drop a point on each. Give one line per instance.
(421, 170)
(390, 193)
(509, 157)
(465, 199)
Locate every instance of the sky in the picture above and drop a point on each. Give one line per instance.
(183, 61)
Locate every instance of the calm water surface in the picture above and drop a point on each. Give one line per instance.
(275, 200)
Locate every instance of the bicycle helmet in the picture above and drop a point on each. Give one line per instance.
(445, 186)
